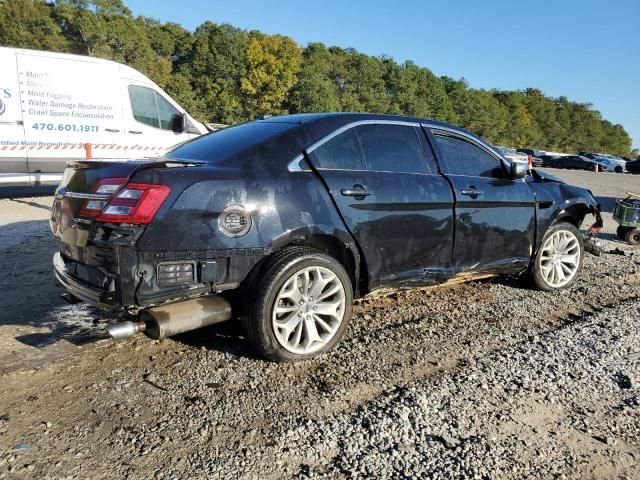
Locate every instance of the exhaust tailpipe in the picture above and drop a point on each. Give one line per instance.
(168, 320)
(126, 329)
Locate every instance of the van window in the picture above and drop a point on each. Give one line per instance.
(150, 108)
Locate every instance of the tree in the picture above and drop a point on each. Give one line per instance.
(272, 62)
(215, 67)
(29, 24)
(314, 89)
(417, 92)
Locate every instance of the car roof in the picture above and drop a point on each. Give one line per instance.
(321, 124)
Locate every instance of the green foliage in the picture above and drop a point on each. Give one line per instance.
(30, 24)
(220, 73)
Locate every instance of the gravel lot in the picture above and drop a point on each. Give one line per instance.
(482, 380)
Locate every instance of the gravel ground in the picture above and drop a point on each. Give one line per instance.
(482, 380)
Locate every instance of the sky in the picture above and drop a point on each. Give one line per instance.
(588, 50)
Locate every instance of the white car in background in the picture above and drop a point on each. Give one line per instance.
(512, 154)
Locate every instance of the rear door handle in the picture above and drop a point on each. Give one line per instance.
(356, 191)
(111, 130)
(135, 132)
(471, 191)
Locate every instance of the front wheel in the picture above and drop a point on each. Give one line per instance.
(559, 258)
(301, 308)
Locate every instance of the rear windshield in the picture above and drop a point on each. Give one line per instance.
(218, 146)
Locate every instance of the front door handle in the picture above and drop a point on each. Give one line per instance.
(135, 132)
(471, 191)
(356, 191)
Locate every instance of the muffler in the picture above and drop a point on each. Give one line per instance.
(167, 320)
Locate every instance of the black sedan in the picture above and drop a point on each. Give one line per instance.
(634, 166)
(280, 223)
(579, 162)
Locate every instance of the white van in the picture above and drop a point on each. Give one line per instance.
(53, 104)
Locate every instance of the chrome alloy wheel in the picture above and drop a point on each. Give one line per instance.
(308, 310)
(560, 258)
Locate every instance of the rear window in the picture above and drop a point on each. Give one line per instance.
(228, 142)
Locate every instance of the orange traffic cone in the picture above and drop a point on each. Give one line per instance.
(595, 168)
(529, 162)
(87, 151)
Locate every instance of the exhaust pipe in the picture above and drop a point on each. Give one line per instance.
(126, 329)
(180, 317)
(168, 320)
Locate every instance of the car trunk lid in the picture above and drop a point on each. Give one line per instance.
(79, 186)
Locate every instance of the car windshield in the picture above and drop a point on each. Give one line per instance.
(218, 146)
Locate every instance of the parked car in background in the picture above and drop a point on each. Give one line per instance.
(634, 166)
(549, 160)
(531, 151)
(580, 163)
(52, 104)
(614, 164)
(511, 154)
(282, 222)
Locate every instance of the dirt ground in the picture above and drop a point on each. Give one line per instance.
(485, 380)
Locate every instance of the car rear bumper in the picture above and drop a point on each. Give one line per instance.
(82, 290)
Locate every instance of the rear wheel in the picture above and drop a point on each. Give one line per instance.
(559, 164)
(559, 258)
(301, 308)
(633, 236)
(618, 169)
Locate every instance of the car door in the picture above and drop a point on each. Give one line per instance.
(150, 121)
(397, 206)
(494, 214)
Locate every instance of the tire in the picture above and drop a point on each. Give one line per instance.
(547, 276)
(559, 164)
(633, 236)
(622, 232)
(618, 169)
(281, 278)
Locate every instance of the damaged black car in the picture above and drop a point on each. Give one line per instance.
(281, 222)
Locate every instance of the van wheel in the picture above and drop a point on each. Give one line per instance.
(559, 258)
(633, 236)
(302, 306)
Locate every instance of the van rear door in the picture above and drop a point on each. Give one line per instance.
(13, 153)
(67, 102)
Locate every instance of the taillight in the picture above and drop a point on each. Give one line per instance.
(135, 203)
(130, 203)
(106, 186)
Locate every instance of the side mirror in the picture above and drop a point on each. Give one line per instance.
(179, 122)
(518, 170)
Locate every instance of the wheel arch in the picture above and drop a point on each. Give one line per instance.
(337, 244)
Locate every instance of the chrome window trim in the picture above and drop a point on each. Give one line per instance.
(295, 165)
(357, 123)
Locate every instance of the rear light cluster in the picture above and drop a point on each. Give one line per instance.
(130, 203)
